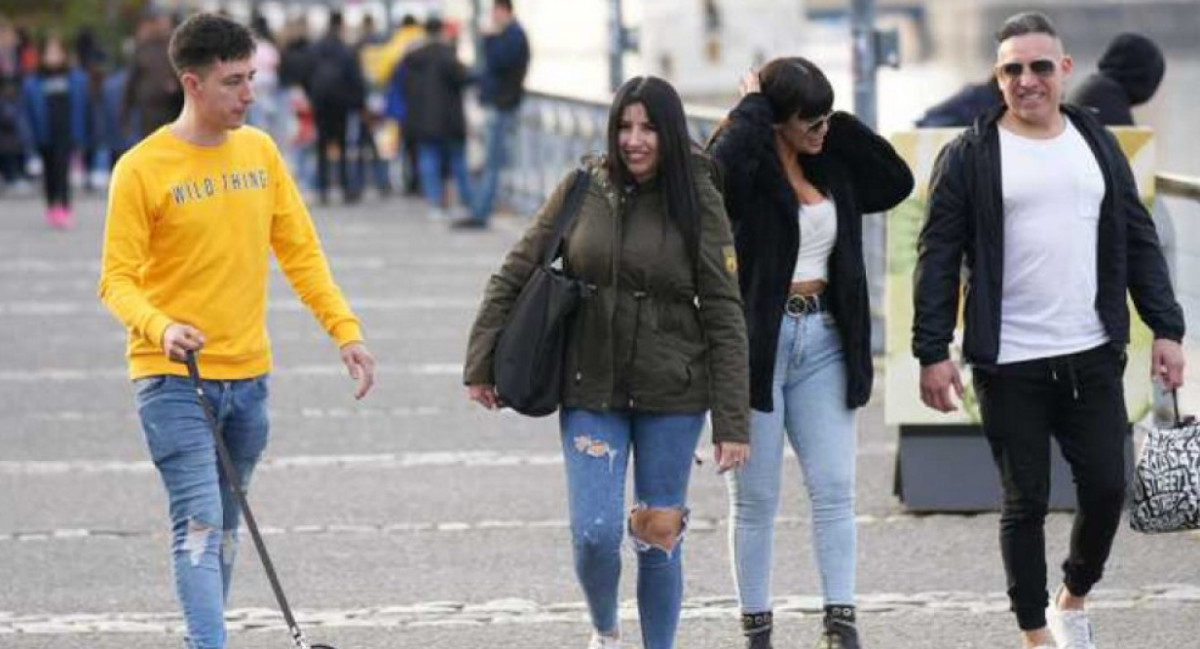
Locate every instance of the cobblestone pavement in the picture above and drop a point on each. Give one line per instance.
(414, 519)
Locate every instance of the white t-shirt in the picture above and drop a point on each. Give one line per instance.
(818, 232)
(1052, 194)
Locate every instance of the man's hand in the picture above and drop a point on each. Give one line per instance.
(484, 395)
(361, 365)
(1166, 363)
(749, 83)
(936, 381)
(730, 455)
(179, 339)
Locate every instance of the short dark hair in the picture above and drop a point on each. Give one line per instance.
(434, 26)
(504, 4)
(1026, 22)
(205, 38)
(664, 109)
(336, 20)
(794, 86)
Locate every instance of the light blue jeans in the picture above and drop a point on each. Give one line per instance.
(596, 448)
(498, 150)
(809, 398)
(204, 513)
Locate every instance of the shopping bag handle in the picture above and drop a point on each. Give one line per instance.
(1180, 422)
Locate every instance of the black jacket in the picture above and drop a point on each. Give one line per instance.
(961, 108)
(294, 63)
(335, 80)
(965, 224)
(1130, 71)
(862, 173)
(433, 92)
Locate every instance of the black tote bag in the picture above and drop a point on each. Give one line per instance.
(528, 360)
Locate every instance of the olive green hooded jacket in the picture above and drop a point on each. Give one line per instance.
(668, 336)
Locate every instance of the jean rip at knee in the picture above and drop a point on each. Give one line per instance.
(658, 528)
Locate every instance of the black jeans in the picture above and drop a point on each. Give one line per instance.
(331, 129)
(56, 174)
(1079, 400)
(412, 179)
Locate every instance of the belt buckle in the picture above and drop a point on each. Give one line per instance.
(798, 305)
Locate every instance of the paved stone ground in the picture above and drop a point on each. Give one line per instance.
(413, 518)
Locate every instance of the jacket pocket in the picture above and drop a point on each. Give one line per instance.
(672, 365)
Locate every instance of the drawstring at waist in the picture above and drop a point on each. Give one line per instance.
(1070, 374)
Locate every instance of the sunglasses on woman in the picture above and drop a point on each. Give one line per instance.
(1039, 67)
(815, 124)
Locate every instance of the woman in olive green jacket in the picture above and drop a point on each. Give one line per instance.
(658, 342)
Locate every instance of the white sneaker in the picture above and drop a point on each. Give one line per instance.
(1071, 629)
(603, 642)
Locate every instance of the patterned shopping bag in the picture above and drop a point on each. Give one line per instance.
(1165, 492)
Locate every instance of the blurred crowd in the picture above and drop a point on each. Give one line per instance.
(351, 112)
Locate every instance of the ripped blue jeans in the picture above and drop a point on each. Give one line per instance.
(204, 513)
(596, 449)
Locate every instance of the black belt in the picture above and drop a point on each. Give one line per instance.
(798, 305)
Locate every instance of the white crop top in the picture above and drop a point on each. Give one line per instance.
(818, 231)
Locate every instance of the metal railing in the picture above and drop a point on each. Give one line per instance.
(555, 132)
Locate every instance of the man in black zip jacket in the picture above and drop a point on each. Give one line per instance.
(1038, 201)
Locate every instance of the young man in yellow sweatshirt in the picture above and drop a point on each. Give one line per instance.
(194, 212)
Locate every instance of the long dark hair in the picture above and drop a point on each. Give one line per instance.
(795, 86)
(665, 111)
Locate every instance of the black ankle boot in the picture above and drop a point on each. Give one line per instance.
(757, 629)
(840, 630)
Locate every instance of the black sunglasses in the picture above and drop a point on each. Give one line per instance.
(1040, 67)
(816, 124)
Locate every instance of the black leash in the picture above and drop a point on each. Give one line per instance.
(229, 472)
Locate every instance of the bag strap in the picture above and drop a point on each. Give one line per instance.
(1181, 421)
(1175, 407)
(566, 214)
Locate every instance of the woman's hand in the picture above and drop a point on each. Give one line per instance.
(749, 83)
(730, 455)
(484, 394)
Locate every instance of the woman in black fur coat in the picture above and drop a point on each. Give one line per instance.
(798, 179)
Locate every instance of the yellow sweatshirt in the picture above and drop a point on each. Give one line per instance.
(188, 239)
